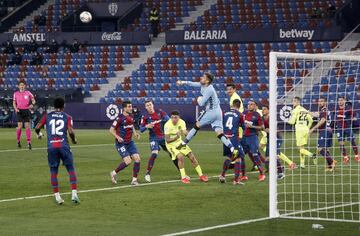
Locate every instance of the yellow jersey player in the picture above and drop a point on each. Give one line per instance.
(173, 130)
(301, 118)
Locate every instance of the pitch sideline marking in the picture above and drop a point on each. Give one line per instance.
(243, 222)
(91, 145)
(104, 189)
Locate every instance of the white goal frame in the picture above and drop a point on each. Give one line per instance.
(273, 102)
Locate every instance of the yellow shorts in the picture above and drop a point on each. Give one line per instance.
(241, 133)
(263, 140)
(302, 137)
(175, 152)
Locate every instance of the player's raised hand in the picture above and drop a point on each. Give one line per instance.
(179, 83)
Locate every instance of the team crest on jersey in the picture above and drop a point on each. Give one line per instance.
(26, 97)
(112, 111)
(113, 8)
(285, 113)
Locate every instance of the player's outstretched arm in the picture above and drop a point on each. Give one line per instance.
(193, 84)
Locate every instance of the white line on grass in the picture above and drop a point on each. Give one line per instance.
(95, 145)
(218, 226)
(103, 189)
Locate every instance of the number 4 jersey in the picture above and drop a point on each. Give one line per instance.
(57, 124)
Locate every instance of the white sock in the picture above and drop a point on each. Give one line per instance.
(134, 179)
(57, 195)
(113, 172)
(74, 192)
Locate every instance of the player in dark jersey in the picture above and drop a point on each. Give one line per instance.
(250, 141)
(154, 121)
(233, 120)
(58, 125)
(325, 133)
(344, 117)
(266, 117)
(123, 129)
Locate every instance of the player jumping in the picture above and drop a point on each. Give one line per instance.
(154, 121)
(302, 120)
(212, 114)
(325, 133)
(250, 141)
(266, 121)
(123, 129)
(343, 124)
(58, 124)
(174, 128)
(233, 120)
(23, 100)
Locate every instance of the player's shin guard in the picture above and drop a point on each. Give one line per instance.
(325, 153)
(191, 134)
(237, 169)
(72, 176)
(226, 141)
(54, 179)
(151, 162)
(225, 166)
(28, 135)
(354, 147)
(18, 134)
(120, 167)
(136, 169)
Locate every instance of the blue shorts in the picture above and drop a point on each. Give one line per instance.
(57, 154)
(236, 142)
(213, 118)
(155, 144)
(250, 144)
(344, 134)
(278, 145)
(126, 149)
(325, 139)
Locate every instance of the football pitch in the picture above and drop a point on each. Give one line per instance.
(166, 206)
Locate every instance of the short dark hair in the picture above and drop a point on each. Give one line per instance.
(265, 106)
(125, 104)
(342, 96)
(231, 86)
(236, 103)
(297, 98)
(209, 76)
(324, 98)
(254, 101)
(147, 101)
(21, 82)
(175, 113)
(59, 103)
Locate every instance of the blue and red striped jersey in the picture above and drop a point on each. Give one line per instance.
(124, 126)
(344, 117)
(57, 125)
(233, 120)
(253, 118)
(158, 119)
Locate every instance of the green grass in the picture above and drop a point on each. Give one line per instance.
(145, 210)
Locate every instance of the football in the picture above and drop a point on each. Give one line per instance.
(85, 17)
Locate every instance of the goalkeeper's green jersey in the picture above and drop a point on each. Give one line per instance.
(301, 118)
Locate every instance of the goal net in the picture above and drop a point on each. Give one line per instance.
(315, 189)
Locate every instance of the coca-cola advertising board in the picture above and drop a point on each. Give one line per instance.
(91, 38)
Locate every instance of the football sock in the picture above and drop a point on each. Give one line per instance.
(327, 156)
(121, 167)
(225, 166)
(28, 135)
(237, 169)
(257, 162)
(305, 152)
(151, 162)
(182, 173)
(343, 149)
(190, 135)
(54, 179)
(198, 170)
(285, 158)
(226, 141)
(242, 166)
(18, 134)
(354, 147)
(302, 159)
(136, 169)
(72, 176)
(279, 167)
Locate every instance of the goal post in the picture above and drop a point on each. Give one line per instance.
(314, 192)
